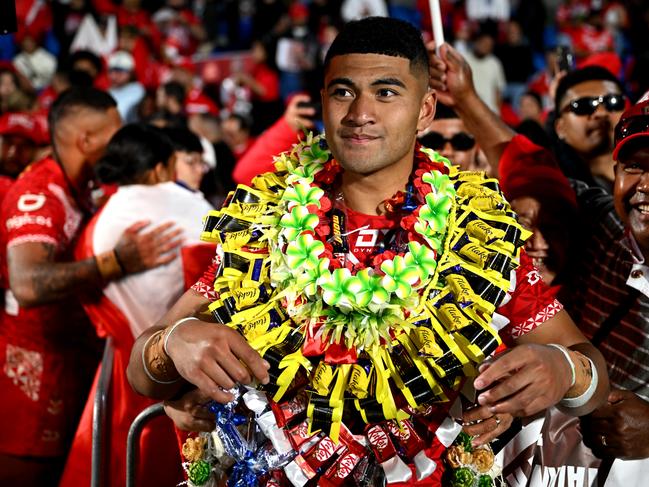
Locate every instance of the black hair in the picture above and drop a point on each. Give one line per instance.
(86, 56)
(183, 139)
(444, 112)
(74, 98)
(176, 90)
(589, 73)
(381, 35)
(535, 132)
(536, 96)
(244, 122)
(134, 150)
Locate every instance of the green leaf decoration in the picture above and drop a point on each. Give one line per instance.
(436, 210)
(340, 289)
(303, 252)
(298, 221)
(302, 194)
(399, 277)
(422, 258)
(371, 290)
(309, 279)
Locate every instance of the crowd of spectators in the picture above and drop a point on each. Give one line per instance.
(228, 83)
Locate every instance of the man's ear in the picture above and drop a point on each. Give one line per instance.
(559, 127)
(427, 111)
(83, 141)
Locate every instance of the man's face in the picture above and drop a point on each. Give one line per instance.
(118, 77)
(373, 106)
(590, 135)
(631, 194)
(100, 127)
(16, 152)
(451, 149)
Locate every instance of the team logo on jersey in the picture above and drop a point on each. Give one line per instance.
(31, 202)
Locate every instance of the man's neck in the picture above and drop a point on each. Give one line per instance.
(365, 193)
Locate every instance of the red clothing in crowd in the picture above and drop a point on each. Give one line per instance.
(47, 353)
(269, 79)
(259, 157)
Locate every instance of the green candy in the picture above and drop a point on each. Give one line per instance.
(485, 481)
(465, 440)
(463, 477)
(199, 472)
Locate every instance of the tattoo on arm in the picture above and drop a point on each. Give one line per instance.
(35, 278)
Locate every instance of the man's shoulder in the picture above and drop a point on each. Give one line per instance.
(39, 175)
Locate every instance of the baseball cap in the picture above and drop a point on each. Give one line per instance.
(24, 125)
(633, 125)
(121, 60)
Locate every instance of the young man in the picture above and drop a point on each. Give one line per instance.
(375, 100)
(47, 347)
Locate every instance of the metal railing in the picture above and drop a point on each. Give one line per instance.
(99, 412)
(132, 442)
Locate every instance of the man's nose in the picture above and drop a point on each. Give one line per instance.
(643, 184)
(361, 111)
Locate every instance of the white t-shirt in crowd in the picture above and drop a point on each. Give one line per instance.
(145, 297)
(488, 77)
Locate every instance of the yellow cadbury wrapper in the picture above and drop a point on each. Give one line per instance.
(360, 378)
(484, 232)
(322, 378)
(451, 317)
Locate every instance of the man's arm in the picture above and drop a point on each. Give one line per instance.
(35, 277)
(211, 356)
(533, 376)
(451, 78)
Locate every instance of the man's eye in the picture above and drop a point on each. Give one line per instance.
(341, 92)
(386, 93)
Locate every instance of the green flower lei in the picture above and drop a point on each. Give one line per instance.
(362, 308)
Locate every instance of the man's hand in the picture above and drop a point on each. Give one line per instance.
(620, 428)
(189, 412)
(485, 425)
(524, 381)
(450, 74)
(299, 118)
(138, 250)
(214, 357)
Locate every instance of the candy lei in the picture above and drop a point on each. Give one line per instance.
(380, 343)
(364, 309)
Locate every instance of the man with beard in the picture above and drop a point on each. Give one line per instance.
(588, 104)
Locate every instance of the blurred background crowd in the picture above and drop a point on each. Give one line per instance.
(231, 83)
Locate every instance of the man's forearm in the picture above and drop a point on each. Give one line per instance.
(490, 132)
(36, 279)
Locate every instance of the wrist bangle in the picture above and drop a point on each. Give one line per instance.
(579, 401)
(169, 331)
(108, 266)
(163, 364)
(565, 353)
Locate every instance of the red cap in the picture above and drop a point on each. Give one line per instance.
(298, 11)
(633, 124)
(25, 125)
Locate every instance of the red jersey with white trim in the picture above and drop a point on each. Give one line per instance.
(47, 353)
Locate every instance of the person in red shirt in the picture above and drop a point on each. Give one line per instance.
(373, 105)
(48, 350)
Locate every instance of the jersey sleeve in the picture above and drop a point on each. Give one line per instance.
(532, 302)
(34, 215)
(205, 284)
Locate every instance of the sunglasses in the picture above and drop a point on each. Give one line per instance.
(436, 141)
(588, 104)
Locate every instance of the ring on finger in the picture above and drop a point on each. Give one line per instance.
(603, 438)
(498, 420)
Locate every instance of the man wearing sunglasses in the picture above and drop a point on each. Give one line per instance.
(588, 104)
(448, 136)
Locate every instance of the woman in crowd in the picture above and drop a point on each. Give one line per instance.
(140, 160)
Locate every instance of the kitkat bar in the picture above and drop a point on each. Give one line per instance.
(290, 411)
(340, 472)
(380, 442)
(321, 453)
(299, 435)
(406, 437)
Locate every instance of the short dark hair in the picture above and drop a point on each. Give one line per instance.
(134, 149)
(244, 122)
(74, 98)
(183, 139)
(444, 112)
(589, 73)
(381, 35)
(174, 89)
(83, 55)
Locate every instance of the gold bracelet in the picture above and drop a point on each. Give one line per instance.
(158, 366)
(108, 265)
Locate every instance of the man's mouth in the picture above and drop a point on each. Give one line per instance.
(642, 208)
